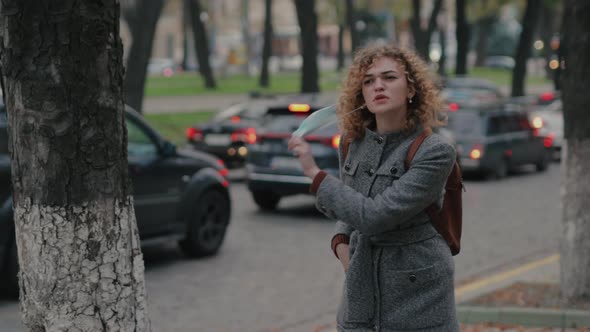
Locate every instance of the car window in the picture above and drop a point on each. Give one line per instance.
(465, 124)
(289, 123)
(138, 142)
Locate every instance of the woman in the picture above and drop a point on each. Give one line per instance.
(399, 270)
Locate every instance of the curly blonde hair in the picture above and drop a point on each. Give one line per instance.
(426, 108)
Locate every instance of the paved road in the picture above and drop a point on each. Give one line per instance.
(276, 272)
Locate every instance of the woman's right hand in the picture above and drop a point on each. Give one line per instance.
(343, 255)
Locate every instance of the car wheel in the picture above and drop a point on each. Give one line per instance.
(207, 225)
(10, 282)
(542, 164)
(501, 170)
(266, 200)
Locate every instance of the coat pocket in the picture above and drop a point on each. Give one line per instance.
(385, 176)
(417, 299)
(349, 170)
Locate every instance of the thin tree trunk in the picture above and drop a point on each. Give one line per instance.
(81, 266)
(340, 59)
(523, 51)
(245, 23)
(351, 21)
(481, 49)
(267, 47)
(142, 27)
(443, 53)
(308, 22)
(462, 32)
(575, 261)
(422, 37)
(186, 22)
(201, 44)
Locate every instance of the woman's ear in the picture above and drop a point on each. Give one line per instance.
(411, 92)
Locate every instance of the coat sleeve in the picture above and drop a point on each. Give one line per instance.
(420, 186)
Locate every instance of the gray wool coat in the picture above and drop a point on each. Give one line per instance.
(401, 270)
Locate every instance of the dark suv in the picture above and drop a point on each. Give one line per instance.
(272, 171)
(182, 195)
(492, 140)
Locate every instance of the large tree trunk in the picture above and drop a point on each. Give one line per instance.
(351, 21)
(142, 20)
(462, 32)
(308, 23)
(201, 43)
(523, 51)
(267, 46)
(78, 245)
(575, 261)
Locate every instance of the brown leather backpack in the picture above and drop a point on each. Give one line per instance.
(448, 221)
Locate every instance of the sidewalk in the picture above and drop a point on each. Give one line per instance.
(479, 318)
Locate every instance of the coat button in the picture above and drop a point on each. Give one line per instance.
(393, 170)
(412, 277)
(379, 139)
(371, 171)
(347, 167)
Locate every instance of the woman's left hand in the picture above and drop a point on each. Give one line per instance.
(302, 150)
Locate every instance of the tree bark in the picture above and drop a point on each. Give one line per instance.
(340, 59)
(308, 23)
(462, 33)
(142, 27)
(575, 261)
(81, 267)
(481, 49)
(267, 46)
(422, 37)
(523, 50)
(351, 21)
(201, 44)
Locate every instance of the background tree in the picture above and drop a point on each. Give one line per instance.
(485, 13)
(245, 24)
(575, 261)
(308, 23)
(421, 36)
(523, 51)
(141, 17)
(201, 43)
(351, 21)
(267, 44)
(81, 266)
(462, 33)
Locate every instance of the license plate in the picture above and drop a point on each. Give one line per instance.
(285, 162)
(217, 139)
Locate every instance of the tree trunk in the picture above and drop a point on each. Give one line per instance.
(267, 47)
(422, 37)
(523, 51)
(81, 267)
(443, 53)
(245, 23)
(575, 261)
(340, 60)
(186, 22)
(462, 32)
(481, 49)
(351, 21)
(201, 44)
(142, 27)
(308, 22)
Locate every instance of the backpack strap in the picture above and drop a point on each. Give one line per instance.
(414, 148)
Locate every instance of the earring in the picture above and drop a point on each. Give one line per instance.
(410, 100)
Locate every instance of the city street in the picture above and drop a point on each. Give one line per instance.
(276, 272)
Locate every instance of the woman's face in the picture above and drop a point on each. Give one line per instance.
(385, 87)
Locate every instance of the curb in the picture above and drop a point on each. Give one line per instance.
(524, 316)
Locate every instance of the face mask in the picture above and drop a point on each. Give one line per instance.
(318, 119)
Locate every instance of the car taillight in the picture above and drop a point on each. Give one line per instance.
(247, 135)
(548, 140)
(223, 171)
(193, 134)
(299, 108)
(235, 119)
(547, 96)
(336, 141)
(476, 152)
(453, 107)
(537, 122)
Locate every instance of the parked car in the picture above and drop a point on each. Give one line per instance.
(548, 120)
(272, 171)
(499, 61)
(492, 140)
(230, 133)
(178, 194)
(474, 90)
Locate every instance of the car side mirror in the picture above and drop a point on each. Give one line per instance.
(168, 149)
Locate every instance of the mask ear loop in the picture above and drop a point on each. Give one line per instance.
(356, 109)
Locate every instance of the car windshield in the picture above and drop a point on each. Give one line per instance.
(465, 123)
